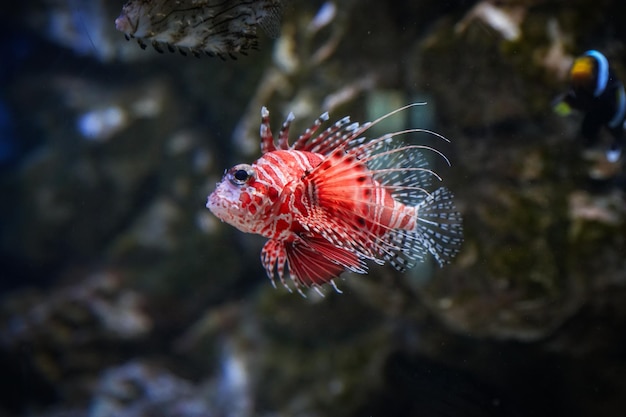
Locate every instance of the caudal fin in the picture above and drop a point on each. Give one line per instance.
(439, 226)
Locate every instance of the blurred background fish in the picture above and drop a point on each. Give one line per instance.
(211, 27)
(596, 91)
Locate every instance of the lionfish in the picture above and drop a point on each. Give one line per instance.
(212, 27)
(331, 202)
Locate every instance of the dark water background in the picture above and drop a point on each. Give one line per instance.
(123, 296)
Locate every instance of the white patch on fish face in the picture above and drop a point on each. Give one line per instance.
(233, 201)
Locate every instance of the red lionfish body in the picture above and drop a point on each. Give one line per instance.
(329, 203)
(212, 27)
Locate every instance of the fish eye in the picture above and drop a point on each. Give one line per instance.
(240, 174)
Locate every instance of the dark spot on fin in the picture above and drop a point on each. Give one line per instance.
(157, 47)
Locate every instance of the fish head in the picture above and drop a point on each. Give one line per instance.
(239, 199)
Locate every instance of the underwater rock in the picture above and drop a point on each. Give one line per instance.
(609, 209)
(518, 275)
(493, 100)
(82, 190)
(137, 389)
(309, 43)
(504, 19)
(63, 337)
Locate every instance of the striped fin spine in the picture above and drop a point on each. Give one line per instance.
(310, 262)
(439, 226)
(337, 135)
(378, 204)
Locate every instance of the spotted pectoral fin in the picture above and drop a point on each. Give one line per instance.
(439, 226)
(346, 204)
(273, 258)
(310, 261)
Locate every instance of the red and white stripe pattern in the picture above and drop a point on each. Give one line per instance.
(331, 202)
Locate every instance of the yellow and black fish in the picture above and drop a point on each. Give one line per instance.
(596, 91)
(212, 27)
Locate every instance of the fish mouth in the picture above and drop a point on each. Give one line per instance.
(212, 202)
(219, 206)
